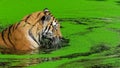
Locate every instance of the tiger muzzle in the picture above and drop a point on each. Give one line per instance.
(50, 42)
(53, 43)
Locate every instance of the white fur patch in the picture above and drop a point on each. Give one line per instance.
(54, 23)
(50, 32)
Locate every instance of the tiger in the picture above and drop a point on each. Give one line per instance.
(30, 33)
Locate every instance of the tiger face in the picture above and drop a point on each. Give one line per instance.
(44, 28)
(51, 31)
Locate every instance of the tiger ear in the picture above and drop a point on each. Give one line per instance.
(46, 10)
(46, 17)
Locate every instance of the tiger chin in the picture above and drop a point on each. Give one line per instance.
(39, 30)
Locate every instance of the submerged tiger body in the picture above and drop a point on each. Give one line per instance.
(30, 32)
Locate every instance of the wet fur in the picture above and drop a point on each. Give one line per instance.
(25, 36)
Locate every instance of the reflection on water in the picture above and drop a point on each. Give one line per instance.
(21, 63)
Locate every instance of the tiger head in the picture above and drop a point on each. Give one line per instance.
(51, 34)
(45, 29)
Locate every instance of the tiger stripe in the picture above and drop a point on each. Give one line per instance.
(26, 35)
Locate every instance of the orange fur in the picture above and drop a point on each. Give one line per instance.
(16, 39)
